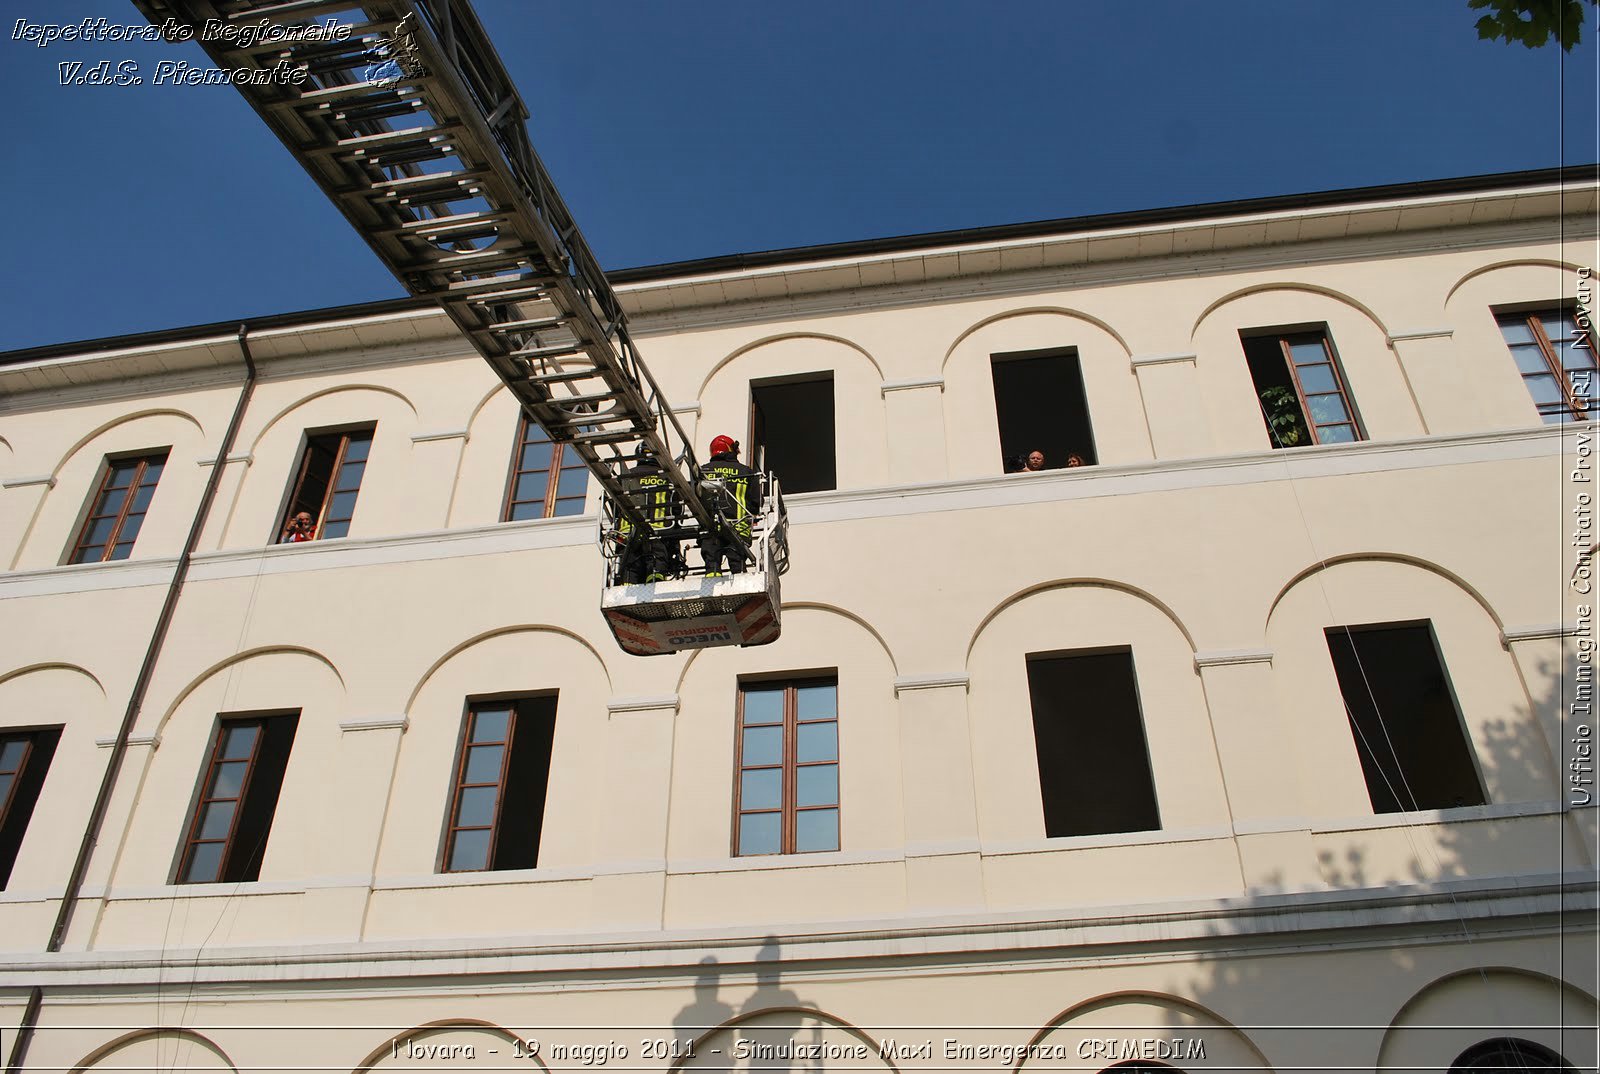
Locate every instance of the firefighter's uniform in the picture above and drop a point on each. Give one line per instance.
(741, 503)
(649, 556)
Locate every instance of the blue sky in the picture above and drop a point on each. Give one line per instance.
(686, 130)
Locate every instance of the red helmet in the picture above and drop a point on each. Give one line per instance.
(721, 444)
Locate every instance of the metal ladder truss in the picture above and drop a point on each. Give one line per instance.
(412, 127)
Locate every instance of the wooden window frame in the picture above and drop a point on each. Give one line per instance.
(458, 781)
(321, 520)
(17, 773)
(788, 764)
(204, 793)
(204, 797)
(102, 490)
(1573, 406)
(558, 453)
(1286, 340)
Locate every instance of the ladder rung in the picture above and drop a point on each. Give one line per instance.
(619, 437)
(358, 89)
(564, 377)
(585, 400)
(540, 353)
(362, 142)
(543, 324)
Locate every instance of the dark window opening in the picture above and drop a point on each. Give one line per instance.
(1094, 764)
(1300, 389)
(792, 432)
(24, 759)
(1040, 405)
(502, 773)
(1556, 359)
(786, 799)
(548, 480)
(118, 509)
(1512, 1055)
(1403, 716)
(327, 482)
(232, 817)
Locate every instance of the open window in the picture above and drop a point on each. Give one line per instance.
(326, 484)
(1094, 764)
(1403, 716)
(24, 759)
(117, 511)
(792, 431)
(502, 772)
(1040, 404)
(1300, 388)
(237, 797)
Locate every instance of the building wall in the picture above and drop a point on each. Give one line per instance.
(922, 582)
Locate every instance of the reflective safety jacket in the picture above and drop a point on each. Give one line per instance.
(743, 502)
(651, 492)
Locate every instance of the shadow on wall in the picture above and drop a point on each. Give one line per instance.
(1349, 1014)
(772, 1030)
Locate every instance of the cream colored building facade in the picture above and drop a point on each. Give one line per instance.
(1273, 921)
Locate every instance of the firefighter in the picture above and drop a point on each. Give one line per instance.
(740, 503)
(650, 556)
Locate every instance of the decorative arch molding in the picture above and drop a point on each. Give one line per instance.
(72, 452)
(1489, 986)
(1209, 1017)
(489, 635)
(1308, 288)
(814, 606)
(784, 337)
(304, 400)
(388, 1047)
(488, 397)
(1384, 557)
(1076, 583)
(1524, 262)
(1477, 972)
(163, 1032)
(240, 658)
(51, 665)
(747, 1017)
(1053, 311)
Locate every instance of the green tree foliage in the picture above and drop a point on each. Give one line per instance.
(1532, 22)
(1284, 420)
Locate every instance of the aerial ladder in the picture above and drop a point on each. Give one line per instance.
(406, 118)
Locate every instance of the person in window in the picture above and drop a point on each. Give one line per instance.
(1074, 459)
(302, 527)
(1035, 461)
(649, 556)
(739, 502)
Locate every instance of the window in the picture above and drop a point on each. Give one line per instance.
(329, 478)
(1510, 1054)
(1040, 406)
(1556, 359)
(24, 759)
(547, 480)
(791, 432)
(1094, 767)
(232, 816)
(118, 509)
(1300, 389)
(1403, 716)
(502, 771)
(786, 799)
